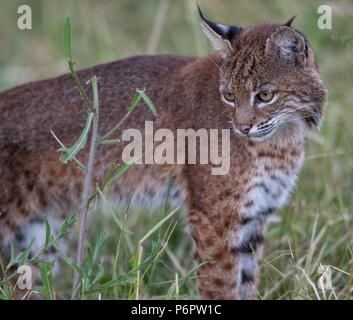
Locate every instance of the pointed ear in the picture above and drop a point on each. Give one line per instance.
(288, 45)
(220, 35)
(290, 21)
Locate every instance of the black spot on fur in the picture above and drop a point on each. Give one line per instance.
(36, 219)
(249, 245)
(219, 282)
(279, 180)
(266, 212)
(249, 204)
(246, 220)
(262, 186)
(19, 236)
(246, 277)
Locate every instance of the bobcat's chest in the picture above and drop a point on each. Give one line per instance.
(270, 187)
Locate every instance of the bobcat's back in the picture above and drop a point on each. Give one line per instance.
(29, 112)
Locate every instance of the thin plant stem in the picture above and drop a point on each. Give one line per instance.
(87, 189)
(79, 86)
(108, 134)
(139, 259)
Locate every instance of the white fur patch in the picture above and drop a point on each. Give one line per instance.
(150, 201)
(248, 265)
(33, 233)
(269, 192)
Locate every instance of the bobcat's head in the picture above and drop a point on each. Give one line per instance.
(269, 81)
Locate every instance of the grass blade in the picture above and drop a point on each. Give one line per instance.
(148, 101)
(71, 152)
(67, 39)
(158, 225)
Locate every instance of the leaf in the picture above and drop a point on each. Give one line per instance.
(68, 261)
(47, 233)
(21, 258)
(98, 244)
(148, 101)
(71, 152)
(158, 225)
(46, 272)
(65, 228)
(113, 141)
(111, 211)
(67, 39)
(108, 175)
(117, 175)
(95, 93)
(121, 280)
(134, 101)
(98, 274)
(138, 95)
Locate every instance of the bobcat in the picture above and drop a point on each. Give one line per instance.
(262, 83)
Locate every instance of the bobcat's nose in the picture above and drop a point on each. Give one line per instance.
(245, 128)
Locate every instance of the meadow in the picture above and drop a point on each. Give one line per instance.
(315, 229)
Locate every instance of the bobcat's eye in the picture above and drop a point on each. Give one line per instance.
(229, 97)
(265, 95)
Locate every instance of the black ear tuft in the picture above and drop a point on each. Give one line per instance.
(227, 32)
(290, 21)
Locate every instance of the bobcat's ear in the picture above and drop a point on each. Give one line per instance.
(287, 44)
(220, 35)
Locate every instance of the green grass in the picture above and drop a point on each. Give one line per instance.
(315, 228)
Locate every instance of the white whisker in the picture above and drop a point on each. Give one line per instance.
(290, 111)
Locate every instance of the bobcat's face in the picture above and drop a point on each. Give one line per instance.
(268, 80)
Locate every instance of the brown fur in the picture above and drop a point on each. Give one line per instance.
(186, 92)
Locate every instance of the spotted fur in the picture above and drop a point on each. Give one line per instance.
(228, 214)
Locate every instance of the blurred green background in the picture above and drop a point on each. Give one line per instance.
(316, 227)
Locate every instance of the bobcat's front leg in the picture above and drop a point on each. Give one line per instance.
(247, 246)
(227, 245)
(216, 276)
(228, 251)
